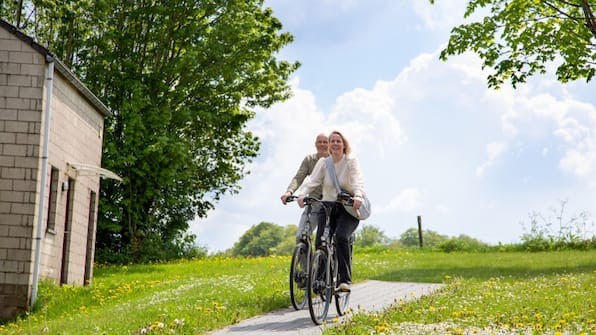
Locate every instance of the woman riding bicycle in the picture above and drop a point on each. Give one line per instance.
(342, 223)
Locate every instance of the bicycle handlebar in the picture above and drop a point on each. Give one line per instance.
(344, 198)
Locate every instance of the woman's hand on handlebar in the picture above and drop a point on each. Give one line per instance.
(357, 202)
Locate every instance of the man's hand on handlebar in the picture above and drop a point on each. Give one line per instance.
(284, 197)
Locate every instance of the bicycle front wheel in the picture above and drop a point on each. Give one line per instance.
(299, 276)
(319, 295)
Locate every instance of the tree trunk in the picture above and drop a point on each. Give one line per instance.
(589, 15)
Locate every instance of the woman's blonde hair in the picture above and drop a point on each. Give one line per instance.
(347, 148)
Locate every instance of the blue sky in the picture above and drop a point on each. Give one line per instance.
(432, 139)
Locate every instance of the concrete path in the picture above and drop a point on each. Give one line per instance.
(369, 296)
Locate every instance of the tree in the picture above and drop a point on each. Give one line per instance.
(259, 240)
(286, 246)
(462, 243)
(521, 37)
(430, 238)
(369, 236)
(182, 79)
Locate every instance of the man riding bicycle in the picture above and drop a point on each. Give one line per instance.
(305, 169)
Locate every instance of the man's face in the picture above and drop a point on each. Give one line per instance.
(322, 144)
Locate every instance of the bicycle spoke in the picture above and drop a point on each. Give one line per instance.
(319, 296)
(298, 277)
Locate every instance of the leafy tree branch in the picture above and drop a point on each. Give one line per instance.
(520, 38)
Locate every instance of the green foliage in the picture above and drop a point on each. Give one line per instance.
(520, 38)
(554, 231)
(182, 79)
(259, 240)
(430, 239)
(370, 235)
(462, 243)
(286, 246)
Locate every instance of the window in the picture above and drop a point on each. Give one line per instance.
(52, 201)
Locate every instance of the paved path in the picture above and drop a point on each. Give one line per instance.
(372, 295)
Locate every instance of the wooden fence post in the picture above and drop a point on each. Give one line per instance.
(420, 231)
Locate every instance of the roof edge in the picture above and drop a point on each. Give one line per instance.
(66, 72)
(63, 69)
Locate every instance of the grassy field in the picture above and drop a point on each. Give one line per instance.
(538, 293)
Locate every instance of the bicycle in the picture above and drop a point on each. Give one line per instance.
(323, 281)
(300, 265)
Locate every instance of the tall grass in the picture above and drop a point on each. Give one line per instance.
(193, 297)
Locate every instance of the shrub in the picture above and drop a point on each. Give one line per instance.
(462, 243)
(555, 232)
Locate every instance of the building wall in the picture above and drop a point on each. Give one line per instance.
(75, 137)
(21, 87)
(76, 129)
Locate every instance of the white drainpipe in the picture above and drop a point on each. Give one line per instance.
(44, 171)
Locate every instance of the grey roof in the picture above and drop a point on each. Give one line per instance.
(65, 71)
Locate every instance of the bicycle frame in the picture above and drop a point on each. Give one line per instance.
(322, 291)
(303, 247)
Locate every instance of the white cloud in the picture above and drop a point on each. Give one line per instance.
(408, 200)
(568, 124)
(444, 14)
(494, 150)
(369, 119)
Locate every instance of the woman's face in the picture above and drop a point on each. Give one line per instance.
(336, 144)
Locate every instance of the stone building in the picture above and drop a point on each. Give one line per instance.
(49, 171)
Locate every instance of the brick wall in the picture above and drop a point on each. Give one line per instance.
(21, 90)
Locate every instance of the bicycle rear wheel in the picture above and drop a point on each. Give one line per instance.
(299, 276)
(319, 295)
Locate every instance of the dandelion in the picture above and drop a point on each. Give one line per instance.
(381, 329)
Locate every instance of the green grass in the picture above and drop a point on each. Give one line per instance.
(551, 291)
(492, 293)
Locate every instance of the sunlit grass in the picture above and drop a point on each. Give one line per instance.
(189, 297)
(537, 291)
(503, 293)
